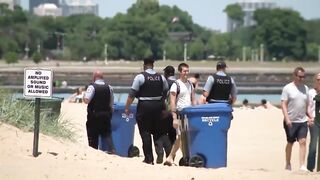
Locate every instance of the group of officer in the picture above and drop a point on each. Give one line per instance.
(153, 119)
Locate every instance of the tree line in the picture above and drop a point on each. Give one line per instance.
(148, 29)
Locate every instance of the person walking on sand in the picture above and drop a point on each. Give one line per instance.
(166, 142)
(294, 104)
(220, 87)
(149, 88)
(181, 95)
(169, 72)
(314, 127)
(99, 97)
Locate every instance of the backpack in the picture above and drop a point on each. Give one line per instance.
(178, 87)
(177, 93)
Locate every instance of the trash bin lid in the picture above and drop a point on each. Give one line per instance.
(211, 107)
(121, 106)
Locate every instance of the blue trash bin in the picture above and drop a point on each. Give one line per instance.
(122, 127)
(207, 131)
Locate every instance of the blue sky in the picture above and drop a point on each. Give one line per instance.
(207, 13)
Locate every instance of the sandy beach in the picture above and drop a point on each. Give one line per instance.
(256, 142)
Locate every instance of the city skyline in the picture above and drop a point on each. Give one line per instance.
(207, 13)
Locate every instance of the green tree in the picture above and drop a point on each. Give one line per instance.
(134, 36)
(143, 7)
(312, 51)
(313, 31)
(174, 50)
(82, 36)
(196, 50)
(7, 44)
(235, 13)
(282, 33)
(219, 45)
(142, 31)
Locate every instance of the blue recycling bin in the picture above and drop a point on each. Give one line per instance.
(207, 134)
(122, 127)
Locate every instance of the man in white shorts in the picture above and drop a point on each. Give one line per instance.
(181, 95)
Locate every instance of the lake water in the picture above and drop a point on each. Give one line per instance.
(252, 98)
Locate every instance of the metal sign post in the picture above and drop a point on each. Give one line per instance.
(36, 127)
(37, 84)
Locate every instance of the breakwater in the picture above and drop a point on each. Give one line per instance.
(255, 82)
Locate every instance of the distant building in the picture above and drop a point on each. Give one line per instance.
(70, 7)
(11, 3)
(47, 10)
(248, 7)
(35, 3)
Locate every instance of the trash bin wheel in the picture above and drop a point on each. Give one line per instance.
(197, 161)
(184, 161)
(133, 151)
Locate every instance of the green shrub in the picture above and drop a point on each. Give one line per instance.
(36, 57)
(11, 57)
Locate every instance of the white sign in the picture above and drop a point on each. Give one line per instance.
(210, 120)
(127, 117)
(38, 83)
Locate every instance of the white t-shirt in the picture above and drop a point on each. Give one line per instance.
(184, 97)
(297, 97)
(312, 103)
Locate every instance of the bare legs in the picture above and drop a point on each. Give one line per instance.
(302, 154)
(288, 156)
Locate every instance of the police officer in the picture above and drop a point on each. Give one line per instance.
(169, 75)
(220, 87)
(99, 97)
(149, 88)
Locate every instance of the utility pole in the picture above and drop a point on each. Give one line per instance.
(244, 53)
(261, 52)
(164, 55)
(27, 49)
(58, 40)
(252, 54)
(106, 53)
(38, 47)
(185, 52)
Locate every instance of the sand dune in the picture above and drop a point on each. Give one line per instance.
(256, 142)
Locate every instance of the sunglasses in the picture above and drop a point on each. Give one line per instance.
(301, 77)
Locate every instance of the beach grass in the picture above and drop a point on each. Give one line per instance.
(20, 113)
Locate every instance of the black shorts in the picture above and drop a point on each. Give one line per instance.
(296, 132)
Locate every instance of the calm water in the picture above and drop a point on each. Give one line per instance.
(252, 98)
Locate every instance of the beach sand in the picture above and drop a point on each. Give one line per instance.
(256, 142)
